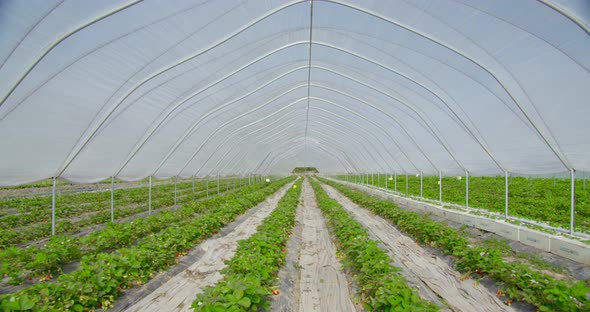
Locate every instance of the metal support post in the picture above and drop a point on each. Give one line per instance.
(506, 195)
(207, 187)
(440, 187)
(378, 181)
(175, 197)
(407, 188)
(150, 196)
(573, 200)
(372, 179)
(466, 189)
(386, 181)
(395, 181)
(193, 184)
(113, 199)
(218, 182)
(421, 186)
(53, 208)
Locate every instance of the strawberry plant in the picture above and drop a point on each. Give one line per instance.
(381, 287)
(519, 282)
(101, 277)
(251, 273)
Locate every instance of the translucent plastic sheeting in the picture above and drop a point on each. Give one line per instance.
(94, 89)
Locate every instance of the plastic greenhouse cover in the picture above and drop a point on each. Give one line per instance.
(94, 89)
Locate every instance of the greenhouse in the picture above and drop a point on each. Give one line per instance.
(287, 155)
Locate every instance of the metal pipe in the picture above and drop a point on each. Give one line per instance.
(378, 180)
(193, 184)
(112, 199)
(150, 196)
(407, 188)
(421, 186)
(573, 200)
(175, 180)
(395, 181)
(386, 181)
(218, 182)
(440, 187)
(506, 188)
(53, 208)
(207, 187)
(466, 189)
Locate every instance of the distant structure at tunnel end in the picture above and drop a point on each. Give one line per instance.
(305, 170)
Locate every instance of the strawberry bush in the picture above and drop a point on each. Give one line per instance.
(101, 277)
(251, 274)
(519, 282)
(381, 287)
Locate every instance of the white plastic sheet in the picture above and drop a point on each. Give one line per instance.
(94, 89)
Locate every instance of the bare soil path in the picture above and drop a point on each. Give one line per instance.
(177, 292)
(417, 263)
(322, 284)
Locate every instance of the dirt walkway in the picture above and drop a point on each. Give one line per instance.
(323, 285)
(178, 293)
(435, 274)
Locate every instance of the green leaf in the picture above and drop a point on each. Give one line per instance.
(245, 302)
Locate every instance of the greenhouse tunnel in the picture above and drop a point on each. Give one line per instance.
(146, 90)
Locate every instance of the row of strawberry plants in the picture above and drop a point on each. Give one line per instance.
(543, 199)
(37, 263)
(124, 208)
(32, 210)
(381, 288)
(520, 282)
(251, 274)
(101, 278)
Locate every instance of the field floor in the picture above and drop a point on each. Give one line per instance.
(312, 278)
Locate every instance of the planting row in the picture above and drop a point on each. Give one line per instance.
(519, 282)
(127, 202)
(381, 288)
(34, 263)
(101, 277)
(250, 276)
(542, 199)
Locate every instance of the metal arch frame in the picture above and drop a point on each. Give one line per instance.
(374, 124)
(438, 137)
(566, 14)
(248, 136)
(346, 156)
(300, 139)
(349, 161)
(285, 155)
(60, 40)
(287, 150)
(264, 141)
(98, 48)
(394, 119)
(378, 16)
(190, 130)
(147, 136)
(347, 52)
(150, 132)
(460, 53)
(219, 129)
(440, 62)
(294, 143)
